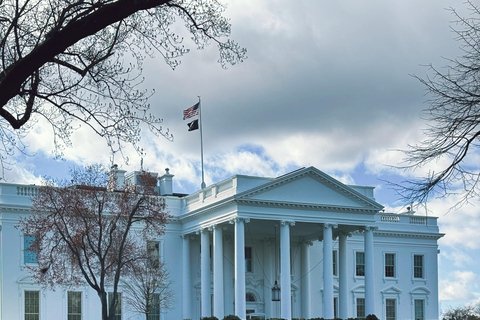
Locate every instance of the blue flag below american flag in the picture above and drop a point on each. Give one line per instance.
(192, 111)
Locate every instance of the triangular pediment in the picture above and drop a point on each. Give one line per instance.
(310, 187)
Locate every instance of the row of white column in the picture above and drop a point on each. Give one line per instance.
(285, 304)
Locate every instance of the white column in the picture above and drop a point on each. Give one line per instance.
(240, 302)
(268, 263)
(343, 275)
(186, 278)
(285, 279)
(328, 311)
(205, 273)
(369, 271)
(218, 296)
(306, 279)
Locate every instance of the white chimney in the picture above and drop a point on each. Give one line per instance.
(116, 178)
(166, 182)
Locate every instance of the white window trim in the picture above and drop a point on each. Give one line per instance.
(119, 291)
(336, 269)
(397, 303)
(355, 277)
(27, 284)
(22, 250)
(424, 279)
(425, 303)
(355, 306)
(391, 293)
(83, 301)
(395, 267)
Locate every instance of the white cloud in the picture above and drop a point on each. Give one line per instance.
(460, 285)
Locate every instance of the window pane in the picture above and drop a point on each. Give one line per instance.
(390, 309)
(118, 308)
(74, 305)
(28, 256)
(334, 259)
(418, 266)
(360, 264)
(389, 265)
(155, 309)
(419, 309)
(32, 305)
(248, 259)
(153, 250)
(360, 308)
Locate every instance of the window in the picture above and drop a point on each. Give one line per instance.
(28, 256)
(418, 266)
(248, 259)
(153, 251)
(118, 307)
(334, 259)
(360, 264)
(335, 308)
(74, 305)
(419, 309)
(155, 308)
(32, 305)
(389, 265)
(360, 307)
(250, 297)
(390, 309)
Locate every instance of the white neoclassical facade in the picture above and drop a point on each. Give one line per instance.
(329, 247)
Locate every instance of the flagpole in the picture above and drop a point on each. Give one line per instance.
(201, 140)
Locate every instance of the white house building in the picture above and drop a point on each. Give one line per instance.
(327, 246)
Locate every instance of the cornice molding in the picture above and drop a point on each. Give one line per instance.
(386, 233)
(327, 207)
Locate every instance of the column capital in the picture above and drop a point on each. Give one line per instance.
(330, 225)
(202, 230)
(306, 243)
(239, 219)
(291, 223)
(370, 228)
(344, 233)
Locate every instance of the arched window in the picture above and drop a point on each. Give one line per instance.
(250, 297)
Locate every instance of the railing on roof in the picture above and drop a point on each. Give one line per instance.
(405, 219)
(28, 191)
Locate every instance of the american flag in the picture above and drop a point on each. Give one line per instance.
(191, 112)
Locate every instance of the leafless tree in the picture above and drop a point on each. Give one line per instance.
(84, 233)
(147, 289)
(66, 61)
(466, 312)
(453, 115)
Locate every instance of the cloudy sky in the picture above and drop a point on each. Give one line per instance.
(326, 84)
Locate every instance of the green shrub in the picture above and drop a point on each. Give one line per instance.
(209, 318)
(231, 317)
(371, 317)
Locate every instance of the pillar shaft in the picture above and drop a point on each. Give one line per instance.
(186, 278)
(205, 273)
(285, 279)
(328, 307)
(343, 277)
(218, 295)
(240, 302)
(369, 272)
(306, 279)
